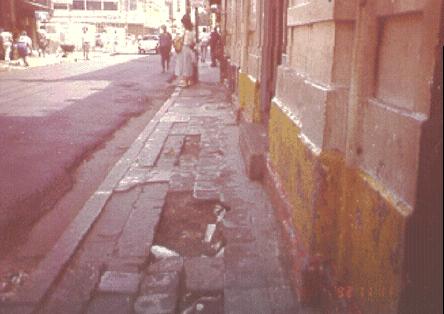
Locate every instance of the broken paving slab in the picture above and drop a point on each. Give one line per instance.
(160, 303)
(162, 282)
(158, 176)
(138, 233)
(169, 264)
(110, 304)
(125, 264)
(204, 274)
(133, 177)
(161, 252)
(175, 117)
(119, 282)
(150, 152)
(115, 213)
(206, 190)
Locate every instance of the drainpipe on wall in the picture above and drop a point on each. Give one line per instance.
(245, 31)
(266, 62)
(362, 78)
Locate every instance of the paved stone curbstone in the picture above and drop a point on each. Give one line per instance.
(119, 282)
(125, 264)
(166, 282)
(170, 264)
(110, 304)
(161, 303)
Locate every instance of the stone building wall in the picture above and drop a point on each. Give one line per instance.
(345, 134)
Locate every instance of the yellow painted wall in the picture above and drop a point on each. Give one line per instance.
(341, 214)
(249, 98)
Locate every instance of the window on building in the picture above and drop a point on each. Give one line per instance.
(60, 6)
(110, 6)
(78, 5)
(93, 5)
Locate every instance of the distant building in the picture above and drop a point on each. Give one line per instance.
(135, 16)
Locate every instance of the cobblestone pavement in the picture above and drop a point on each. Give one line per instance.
(185, 167)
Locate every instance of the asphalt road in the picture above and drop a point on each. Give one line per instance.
(54, 119)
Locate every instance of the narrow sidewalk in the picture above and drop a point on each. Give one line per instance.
(178, 227)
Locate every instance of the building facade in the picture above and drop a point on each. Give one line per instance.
(137, 17)
(348, 93)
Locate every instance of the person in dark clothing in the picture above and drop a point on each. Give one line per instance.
(24, 47)
(43, 43)
(165, 44)
(215, 42)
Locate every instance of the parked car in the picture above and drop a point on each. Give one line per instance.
(149, 43)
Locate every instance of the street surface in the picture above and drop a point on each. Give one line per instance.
(63, 124)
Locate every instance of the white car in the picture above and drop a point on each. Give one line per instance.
(149, 43)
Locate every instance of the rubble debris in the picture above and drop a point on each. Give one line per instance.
(18, 278)
(199, 307)
(220, 212)
(220, 253)
(211, 228)
(162, 252)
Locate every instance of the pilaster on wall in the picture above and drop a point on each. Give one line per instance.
(312, 92)
(234, 28)
(314, 83)
(249, 84)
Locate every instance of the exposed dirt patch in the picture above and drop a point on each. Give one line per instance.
(184, 224)
(208, 303)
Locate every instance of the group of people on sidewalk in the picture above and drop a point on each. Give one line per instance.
(185, 46)
(22, 45)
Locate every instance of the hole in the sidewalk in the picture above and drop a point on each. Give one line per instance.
(206, 303)
(190, 227)
(190, 148)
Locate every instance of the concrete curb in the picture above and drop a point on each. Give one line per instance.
(35, 287)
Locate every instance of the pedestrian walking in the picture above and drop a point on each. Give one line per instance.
(186, 58)
(43, 42)
(204, 41)
(86, 43)
(115, 41)
(215, 42)
(6, 44)
(165, 44)
(24, 47)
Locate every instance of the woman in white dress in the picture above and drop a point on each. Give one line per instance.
(186, 57)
